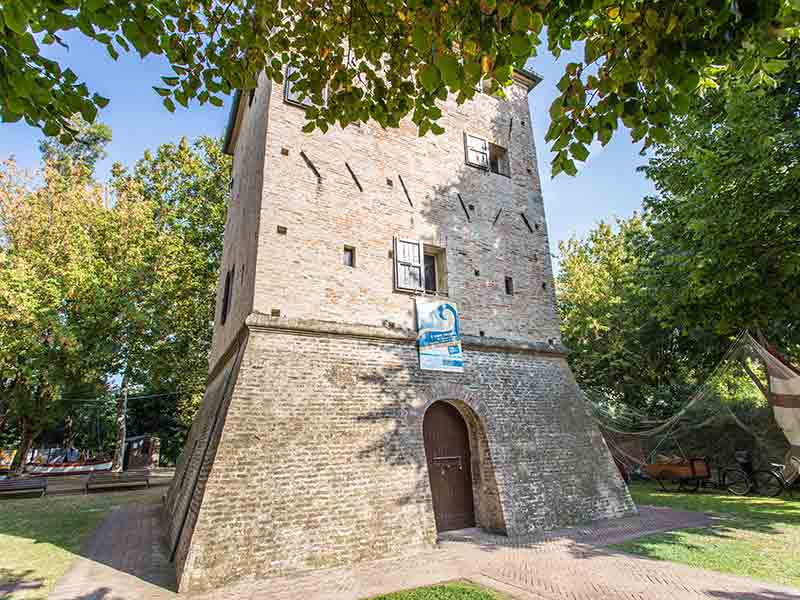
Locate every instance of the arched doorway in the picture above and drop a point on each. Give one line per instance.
(448, 457)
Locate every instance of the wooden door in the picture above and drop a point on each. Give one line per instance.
(447, 454)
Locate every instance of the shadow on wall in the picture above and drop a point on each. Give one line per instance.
(402, 443)
(491, 227)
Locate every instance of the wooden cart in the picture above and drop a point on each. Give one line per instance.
(685, 475)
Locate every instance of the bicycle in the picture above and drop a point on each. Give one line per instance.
(773, 481)
(733, 479)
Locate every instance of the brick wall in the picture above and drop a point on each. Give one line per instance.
(310, 454)
(301, 273)
(321, 460)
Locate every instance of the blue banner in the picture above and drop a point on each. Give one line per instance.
(439, 336)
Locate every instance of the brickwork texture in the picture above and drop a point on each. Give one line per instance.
(308, 450)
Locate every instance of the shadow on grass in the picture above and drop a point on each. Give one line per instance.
(18, 582)
(760, 595)
(751, 513)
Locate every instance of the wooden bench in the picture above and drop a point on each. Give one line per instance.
(24, 486)
(112, 480)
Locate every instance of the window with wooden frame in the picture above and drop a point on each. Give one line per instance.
(476, 151)
(498, 160)
(419, 268)
(293, 97)
(485, 155)
(408, 259)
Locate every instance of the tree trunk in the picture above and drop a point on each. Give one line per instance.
(754, 378)
(122, 410)
(67, 441)
(24, 448)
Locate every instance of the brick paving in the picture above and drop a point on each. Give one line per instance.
(123, 560)
(126, 560)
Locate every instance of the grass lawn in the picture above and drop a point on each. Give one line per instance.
(757, 537)
(40, 537)
(458, 590)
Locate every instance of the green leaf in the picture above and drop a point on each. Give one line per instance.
(429, 78)
(15, 14)
(89, 112)
(522, 19)
(659, 134)
(421, 40)
(100, 101)
(169, 104)
(51, 129)
(579, 151)
(520, 44)
(450, 70)
(584, 134)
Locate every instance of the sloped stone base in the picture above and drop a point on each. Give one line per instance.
(308, 453)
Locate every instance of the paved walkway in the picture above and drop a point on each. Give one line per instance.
(125, 561)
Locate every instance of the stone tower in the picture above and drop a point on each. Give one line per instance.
(320, 440)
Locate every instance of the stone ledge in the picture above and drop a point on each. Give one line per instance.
(263, 322)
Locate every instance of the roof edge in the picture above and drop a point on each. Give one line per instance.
(530, 79)
(228, 141)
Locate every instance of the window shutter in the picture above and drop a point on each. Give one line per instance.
(477, 151)
(408, 265)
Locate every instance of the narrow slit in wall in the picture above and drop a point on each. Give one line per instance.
(310, 164)
(405, 190)
(464, 206)
(527, 224)
(353, 175)
(497, 216)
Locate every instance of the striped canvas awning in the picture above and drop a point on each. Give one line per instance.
(784, 395)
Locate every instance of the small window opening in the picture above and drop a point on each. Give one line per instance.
(419, 267)
(349, 256)
(510, 286)
(498, 160)
(275, 312)
(281, 230)
(291, 96)
(430, 274)
(477, 273)
(251, 98)
(482, 333)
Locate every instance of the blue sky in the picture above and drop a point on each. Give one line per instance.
(606, 185)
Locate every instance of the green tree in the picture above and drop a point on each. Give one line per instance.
(166, 321)
(656, 300)
(50, 280)
(385, 60)
(188, 186)
(725, 221)
(621, 348)
(86, 147)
